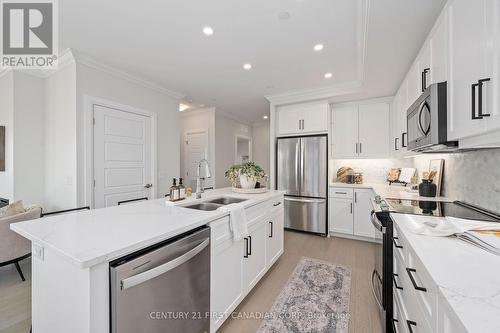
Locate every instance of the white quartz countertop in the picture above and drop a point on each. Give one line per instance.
(467, 277)
(394, 191)
(94, 236)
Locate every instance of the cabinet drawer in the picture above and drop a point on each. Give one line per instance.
(341, 192)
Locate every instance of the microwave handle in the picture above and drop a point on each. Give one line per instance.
(420, 127)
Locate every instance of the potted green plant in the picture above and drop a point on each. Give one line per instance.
(247, 173)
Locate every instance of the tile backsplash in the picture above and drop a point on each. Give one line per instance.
(374, 170)
(473, 177)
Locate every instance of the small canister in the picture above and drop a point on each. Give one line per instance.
(427, 188)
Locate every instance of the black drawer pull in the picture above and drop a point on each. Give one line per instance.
(272, 227)
(396, 244)
(395, 282)
(410, 323)
(410, 272)
(277, 204)
(394, 321)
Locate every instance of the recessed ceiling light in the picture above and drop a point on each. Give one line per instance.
(318, 47)
(183, 107)
(265, 117)
(208, 31)
(328, 75)
(247, 66)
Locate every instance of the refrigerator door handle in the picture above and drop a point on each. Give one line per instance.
(297, 161)
(302, 150)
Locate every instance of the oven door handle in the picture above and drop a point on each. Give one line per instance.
(375, 274)
(376, 223)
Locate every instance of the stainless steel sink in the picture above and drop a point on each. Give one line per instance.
(204, 206)
(226, 200)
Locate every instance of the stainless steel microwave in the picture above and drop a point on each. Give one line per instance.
(428, 121)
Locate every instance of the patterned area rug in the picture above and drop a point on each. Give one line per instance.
(315, 300)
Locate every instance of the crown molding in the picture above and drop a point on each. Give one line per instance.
(90, 62)
(315, 94)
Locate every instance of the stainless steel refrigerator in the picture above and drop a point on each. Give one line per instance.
(302, 167)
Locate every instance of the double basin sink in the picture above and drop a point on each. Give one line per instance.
(214, 203)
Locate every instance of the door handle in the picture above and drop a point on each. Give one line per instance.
(272, 227)
(395, 282)
(356, 148)
(246, 247)
(164, 268)
(376, 275)
(250, 245)
(403, 144)
(148, 185)
(300, 125)
(276, 204)
(396, 244)
(424, 78)
(480, 98)
(394, 321)
(474, 117)
(360, 147)
(410, 323)
(410, 272)
(351, 207)
(396, 146)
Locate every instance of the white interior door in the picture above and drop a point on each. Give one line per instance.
(122, 156)
(195, 149)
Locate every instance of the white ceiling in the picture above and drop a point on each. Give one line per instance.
(162, 41)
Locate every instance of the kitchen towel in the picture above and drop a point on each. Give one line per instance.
(449, 226)
(237, 220)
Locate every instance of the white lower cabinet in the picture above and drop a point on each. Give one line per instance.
(254, 255)
(350, 212)
(226, 279)
(418, 307)
(236, 267)
(275, 237)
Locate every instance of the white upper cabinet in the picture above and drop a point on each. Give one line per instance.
(438, 44)
(344, 132)
(374, 129)
(413, 84)
(303, 118)
(474, 68)
(361, 130)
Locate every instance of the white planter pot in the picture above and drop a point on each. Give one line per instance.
(247, 182)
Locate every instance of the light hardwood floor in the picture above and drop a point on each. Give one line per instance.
(15, 299)
(359, 256)
(15, 296)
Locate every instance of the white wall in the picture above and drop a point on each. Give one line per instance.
(60, 140)
(29, 156)
(195, 120)
(96, 83)
(7, 120)
(261, 149)
(226, 130)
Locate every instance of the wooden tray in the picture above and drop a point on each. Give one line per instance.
(251, 190)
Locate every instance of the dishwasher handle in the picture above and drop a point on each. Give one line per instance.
(162, 269)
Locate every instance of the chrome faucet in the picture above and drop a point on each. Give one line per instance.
(199, 180)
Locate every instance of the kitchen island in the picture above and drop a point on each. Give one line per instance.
(71, 253)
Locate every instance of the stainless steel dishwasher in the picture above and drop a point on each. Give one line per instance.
(164, 288)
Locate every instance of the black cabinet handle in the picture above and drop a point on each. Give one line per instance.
(394, 321)
(394, 275)
(360, 147)
(480, 99)
(396, 244)
(351, 208)
(410, 323)
(404, 143)
(474, 117)
(424, 78)
(410, 272)
(250, 246)
(246, 248)
(355, 197)
(277, 204)
(272, 227)
(396, 147)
